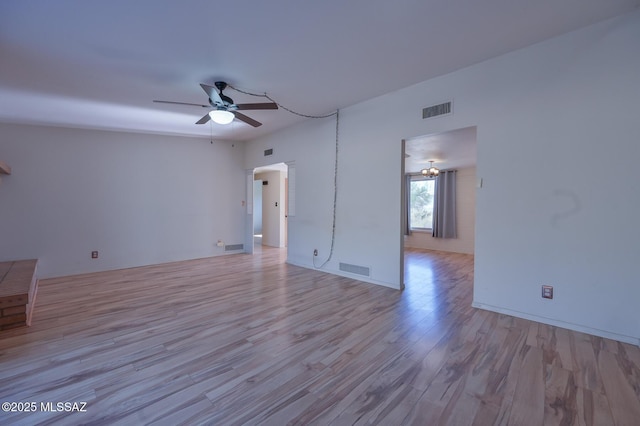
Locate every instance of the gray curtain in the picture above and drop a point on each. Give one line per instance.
(406, 205)
(444, 206)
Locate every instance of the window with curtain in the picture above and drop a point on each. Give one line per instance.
(421, 198)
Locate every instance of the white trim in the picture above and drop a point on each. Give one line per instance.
(249, 195)
(562, 324)
(291, 175)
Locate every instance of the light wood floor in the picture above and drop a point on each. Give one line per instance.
(250, 340)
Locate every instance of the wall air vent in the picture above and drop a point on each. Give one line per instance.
(268, 152)
(354, 269)
(444, 108)
(233, 247)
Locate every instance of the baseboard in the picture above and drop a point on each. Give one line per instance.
(346, 275)
(562, 324)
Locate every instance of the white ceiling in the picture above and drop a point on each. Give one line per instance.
(449, 150)
(279, 167)
(100, 64)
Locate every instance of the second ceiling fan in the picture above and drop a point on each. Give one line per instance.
(224, 109)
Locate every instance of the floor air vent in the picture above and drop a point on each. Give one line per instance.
(354, 269)
(437, 110)
(233, 247)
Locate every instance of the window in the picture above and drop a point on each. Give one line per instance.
(421, 203)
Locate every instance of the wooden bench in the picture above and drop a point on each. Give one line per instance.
(18, 288)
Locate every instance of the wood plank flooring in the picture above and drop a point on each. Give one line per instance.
(247, 339)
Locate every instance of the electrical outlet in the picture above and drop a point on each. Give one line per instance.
(94, 254)
(315, 252)
(547, 292)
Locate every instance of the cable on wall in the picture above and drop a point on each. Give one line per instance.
(335, 169)
(264, 95)
(335, 197)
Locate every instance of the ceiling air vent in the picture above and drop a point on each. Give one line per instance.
(268, 152)
(437, 110)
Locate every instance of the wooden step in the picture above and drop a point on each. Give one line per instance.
(18, 288)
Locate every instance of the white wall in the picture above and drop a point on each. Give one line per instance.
(272, 214)
(314, 187)
(567, 226)
(137, 199)
(546, 116)
(465, 220)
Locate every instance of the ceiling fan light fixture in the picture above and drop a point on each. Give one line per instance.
(221, 116)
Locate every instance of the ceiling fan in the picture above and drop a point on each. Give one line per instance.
(224, 109)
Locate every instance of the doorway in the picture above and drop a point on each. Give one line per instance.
(451, 150)
(270, 201)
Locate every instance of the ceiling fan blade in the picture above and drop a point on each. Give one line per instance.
(204, 119)
(213, 94)
(181, 103)
(250, 121)
(265, 105)
(210, 90)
